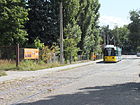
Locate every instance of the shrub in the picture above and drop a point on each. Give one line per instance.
(27, 65)
(47, 54)
(38, 43)
(30, 65)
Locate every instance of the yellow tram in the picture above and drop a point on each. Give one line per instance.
(112, 53)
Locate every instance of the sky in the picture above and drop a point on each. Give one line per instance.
(116, 12)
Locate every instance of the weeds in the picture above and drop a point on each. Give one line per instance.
(31, 65)
(6, 65)
(25, 65)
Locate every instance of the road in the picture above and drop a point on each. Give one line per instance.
(94, 84)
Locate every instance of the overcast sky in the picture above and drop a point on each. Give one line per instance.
(116, 12)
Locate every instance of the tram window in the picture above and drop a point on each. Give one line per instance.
(116, 53)
(109, 52)
(113, 52)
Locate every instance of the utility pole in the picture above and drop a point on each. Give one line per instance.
(114, 40)
(61, 34)
(104, 38)
(107, 39)
(107, 35)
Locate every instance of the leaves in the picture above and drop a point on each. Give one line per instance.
(134, 28)
(72, 34)
(43, 21)
(80, 20)
(13, 17)
(88, 20)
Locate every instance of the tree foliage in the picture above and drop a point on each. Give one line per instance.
(13, 16)
(80, 24)
(88, 21)
(73, 35)
(134, 28)
(80, 20)
(43, 21)
(121, 37)
(72, 32)
(38, 44)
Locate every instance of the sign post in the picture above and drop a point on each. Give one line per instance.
(17, 55)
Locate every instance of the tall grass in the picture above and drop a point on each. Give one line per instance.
(31, 65)
(7, 65)
(25, 65)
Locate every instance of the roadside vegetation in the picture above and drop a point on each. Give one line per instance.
(25, 65)
(37, 22)
(6, 65)
(29, 65)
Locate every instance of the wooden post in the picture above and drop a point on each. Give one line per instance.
(17, 55)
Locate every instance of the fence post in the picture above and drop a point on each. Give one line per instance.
(17, 55)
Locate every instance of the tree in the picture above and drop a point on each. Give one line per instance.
(134, 28)
(73, 35)
(79, 15)
(88, 21)
(13, 17)
(43, 21)
(72, 32)
(121, 37)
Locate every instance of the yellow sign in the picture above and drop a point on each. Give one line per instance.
(30, 53)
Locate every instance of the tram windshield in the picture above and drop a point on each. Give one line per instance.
(109, 52)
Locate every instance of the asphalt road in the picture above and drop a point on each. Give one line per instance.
(94, 84)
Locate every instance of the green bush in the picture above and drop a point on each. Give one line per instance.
(46, 54)
(28, 65)
(38, 43)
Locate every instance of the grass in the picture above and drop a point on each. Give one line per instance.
(6, 65)
(2, 73)
(30, 65)
(27, 65)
